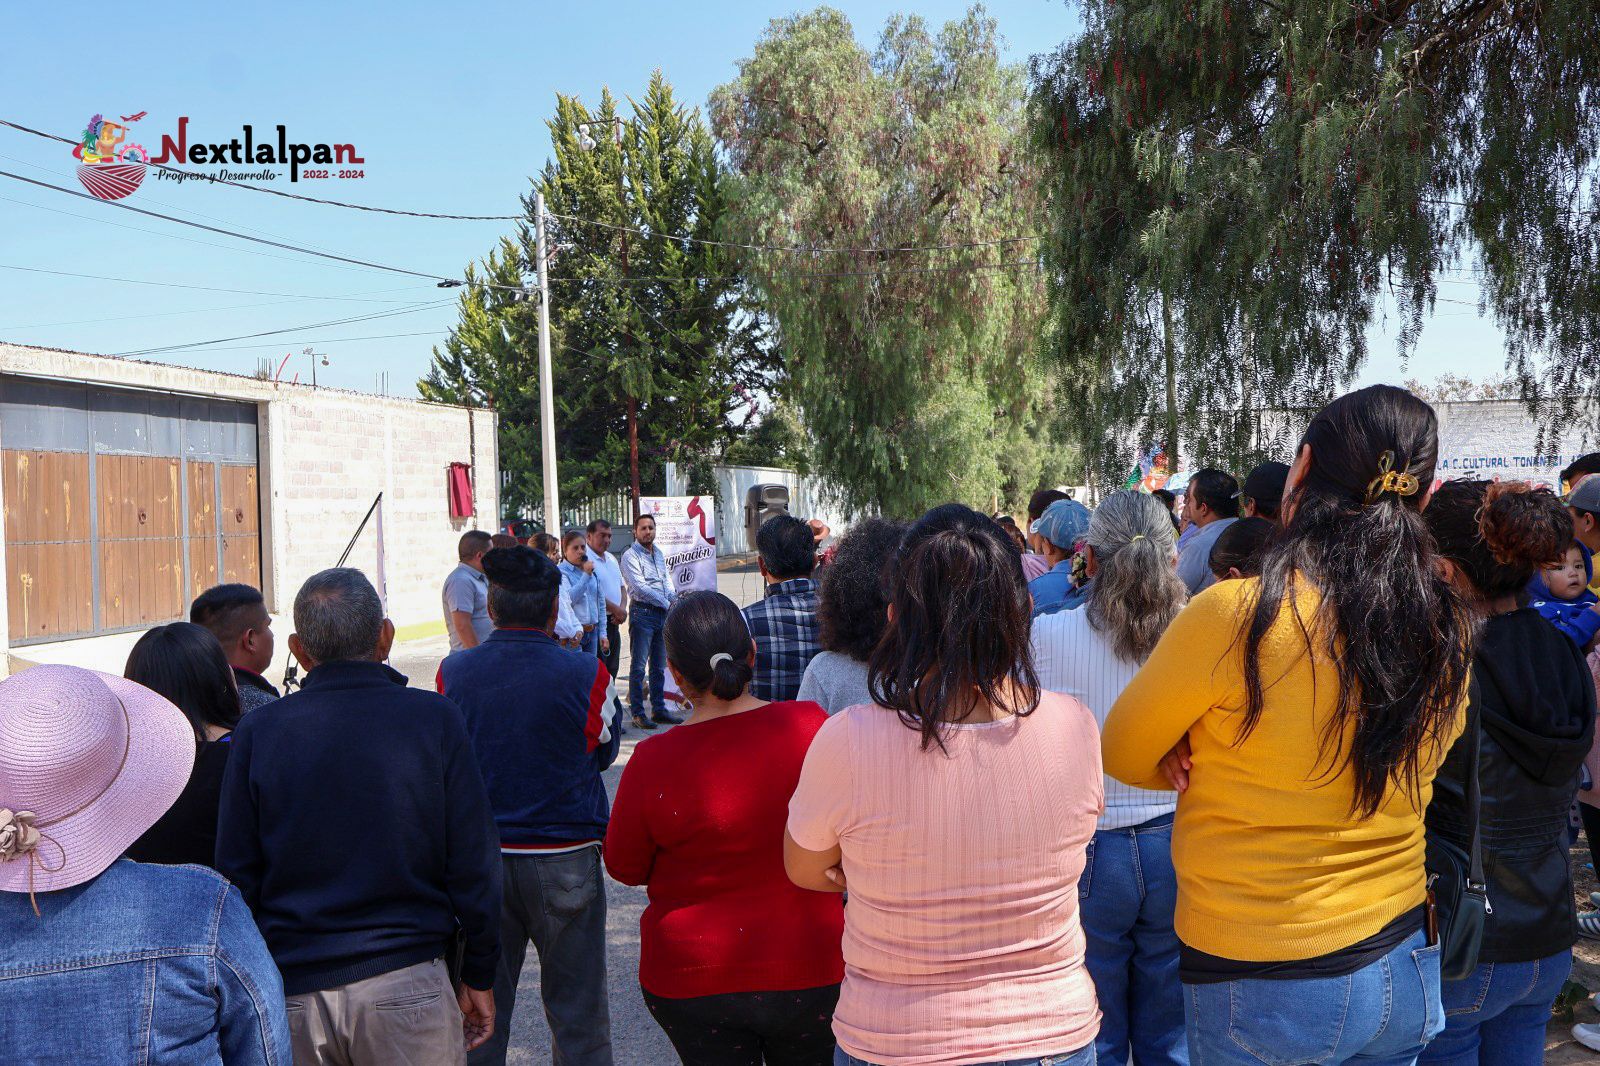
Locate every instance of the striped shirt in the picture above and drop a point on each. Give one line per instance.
(1074, 658)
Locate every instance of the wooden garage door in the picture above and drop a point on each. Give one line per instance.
(49, 592)
(121, 505)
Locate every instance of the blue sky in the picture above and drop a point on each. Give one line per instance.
(447, 106)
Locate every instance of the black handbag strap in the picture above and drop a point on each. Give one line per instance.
(1475, 879)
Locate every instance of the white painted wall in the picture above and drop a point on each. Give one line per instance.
(324, 454)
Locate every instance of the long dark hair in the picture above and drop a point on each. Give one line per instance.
(186, 664)
(961, 625)
(1498, 533)
(1398, 635)
(703, 626)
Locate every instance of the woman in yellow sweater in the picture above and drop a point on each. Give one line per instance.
(1303, 715)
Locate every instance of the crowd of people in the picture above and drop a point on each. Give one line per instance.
(1283, 771)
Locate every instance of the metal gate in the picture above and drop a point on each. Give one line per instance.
(121, 505)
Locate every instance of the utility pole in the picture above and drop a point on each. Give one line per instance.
(547, 392)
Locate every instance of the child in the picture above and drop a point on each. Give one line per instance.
(1561, 593)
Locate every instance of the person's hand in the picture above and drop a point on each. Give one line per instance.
(605, 646)
(836, 875)
(1177, 763)
(618, 613)
(477, 1015)
(819, 530)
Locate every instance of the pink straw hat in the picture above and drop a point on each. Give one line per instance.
(88, 762)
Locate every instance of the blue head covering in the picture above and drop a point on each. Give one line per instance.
(1064, 523)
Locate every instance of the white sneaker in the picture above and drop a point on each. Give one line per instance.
(1594, 899)
(1587, 1034)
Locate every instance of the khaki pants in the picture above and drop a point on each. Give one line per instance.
(407, 1017)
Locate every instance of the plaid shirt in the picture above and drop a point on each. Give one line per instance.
(784, 626)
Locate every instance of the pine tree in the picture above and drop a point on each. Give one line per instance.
(673, 333)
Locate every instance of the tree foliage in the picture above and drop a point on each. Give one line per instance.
(1265, 170)
(674, 330)
(1447, 388)
(915, 372)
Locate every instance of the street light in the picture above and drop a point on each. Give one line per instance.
(314, 356)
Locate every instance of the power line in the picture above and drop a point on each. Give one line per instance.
(324, 340)
(797, 249)
(224, 232)
(186, 311)
(197, 288)
(143, 198)
(152, 232)
(192, 174)
(292, 329)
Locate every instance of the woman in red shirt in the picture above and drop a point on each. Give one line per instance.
(738, 965)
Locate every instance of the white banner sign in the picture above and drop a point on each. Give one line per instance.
(686, 533)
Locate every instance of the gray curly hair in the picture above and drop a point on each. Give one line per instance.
(1136, 592)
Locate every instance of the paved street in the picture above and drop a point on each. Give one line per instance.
(636, 1039)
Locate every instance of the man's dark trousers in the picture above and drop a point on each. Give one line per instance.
(558, 902)
(613, 657)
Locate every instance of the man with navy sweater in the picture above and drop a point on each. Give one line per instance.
(355, 823)
(541, 725)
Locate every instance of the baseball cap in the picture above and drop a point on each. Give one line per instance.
(1265, 483)
(1063, 523)
(1586, 497)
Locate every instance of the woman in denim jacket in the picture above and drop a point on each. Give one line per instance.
(106, 960)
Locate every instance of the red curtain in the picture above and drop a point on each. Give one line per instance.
(460, 484)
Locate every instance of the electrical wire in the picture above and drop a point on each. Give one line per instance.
(324, 340)
(292, 329)
(192, 174)
(187, 311)
(796, 249)
(197, 288)
(227, 233)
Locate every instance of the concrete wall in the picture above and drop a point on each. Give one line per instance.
(1488, 439)
(324, 454)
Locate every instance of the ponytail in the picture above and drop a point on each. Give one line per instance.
(708, 644)
(1136, 592)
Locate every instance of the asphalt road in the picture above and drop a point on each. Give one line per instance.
(636, 1040)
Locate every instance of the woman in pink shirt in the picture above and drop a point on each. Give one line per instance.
(957, 808)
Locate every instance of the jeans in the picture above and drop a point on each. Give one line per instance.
(790, 1028)
(558, 902)
(1497, 1015)
(1385, 1012)
(590, 642)
(646, 644)
(1084, 1056)
(1126, 898)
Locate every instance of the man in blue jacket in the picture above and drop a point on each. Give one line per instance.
(537, 716)
(355, 824)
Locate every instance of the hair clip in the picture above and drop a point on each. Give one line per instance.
(1390, 480)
